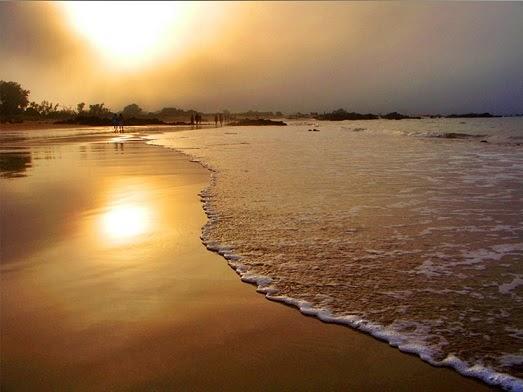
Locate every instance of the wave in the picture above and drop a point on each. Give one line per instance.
(393, 334)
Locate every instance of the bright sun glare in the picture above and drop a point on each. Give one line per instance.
(125, 222)
(128, 34)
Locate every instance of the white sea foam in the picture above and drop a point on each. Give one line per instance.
(413, 343)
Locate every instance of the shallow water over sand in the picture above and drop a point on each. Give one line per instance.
(105, 285)
(97, 240)
(380, 225)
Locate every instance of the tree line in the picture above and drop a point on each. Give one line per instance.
(15, 106)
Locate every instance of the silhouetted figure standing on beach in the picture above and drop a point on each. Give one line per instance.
(115, 122)
(120, 122)
(220, 116)
(216, 121)
(192, 120)
(198, 119)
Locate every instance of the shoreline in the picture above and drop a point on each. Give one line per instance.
(195, 311)
(377, 331)
(263, 286)
(41, 125)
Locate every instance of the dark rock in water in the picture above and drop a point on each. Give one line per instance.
(257, 121)
(358, 129)
(398, 116)
(456, 135)
(315, 130)
(341, 114)
(472, 115)
(484, 141)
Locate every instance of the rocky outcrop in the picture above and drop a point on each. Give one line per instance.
(257, 121)
(398, 116)
(472, 115)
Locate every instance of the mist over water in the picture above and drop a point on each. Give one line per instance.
(411, 230)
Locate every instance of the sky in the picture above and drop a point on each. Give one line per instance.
(288, 56)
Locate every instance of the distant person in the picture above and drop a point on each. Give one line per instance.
(216, 121)
(220, 117)
(115, 122)
(120, 122)
(192, 120)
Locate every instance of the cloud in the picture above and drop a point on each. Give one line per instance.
(429, 57)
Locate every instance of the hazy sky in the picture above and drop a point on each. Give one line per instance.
(365, 57)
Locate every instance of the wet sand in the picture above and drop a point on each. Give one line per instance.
(105, 285)
(38, 125)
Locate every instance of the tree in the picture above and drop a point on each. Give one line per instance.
(80, 107)
(132, 110)
(99, 110)
(32, 110)
(13, 98)
(47, 108)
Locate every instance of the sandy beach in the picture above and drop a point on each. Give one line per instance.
(261, 196)
(106, 286)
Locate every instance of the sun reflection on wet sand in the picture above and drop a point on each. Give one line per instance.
(128, 213)
(110, 252)
(124, 222)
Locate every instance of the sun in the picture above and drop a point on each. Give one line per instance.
(128, 35)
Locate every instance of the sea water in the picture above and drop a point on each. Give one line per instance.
(410, 230)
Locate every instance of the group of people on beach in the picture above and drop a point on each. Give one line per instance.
(218, 118)
(196, 120)
(118, 123)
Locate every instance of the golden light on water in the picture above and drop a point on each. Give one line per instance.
(129, 34)
(125, 222)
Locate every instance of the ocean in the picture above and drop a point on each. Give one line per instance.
(409, 230)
